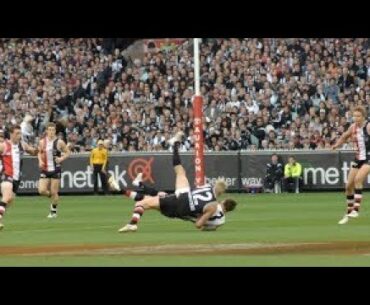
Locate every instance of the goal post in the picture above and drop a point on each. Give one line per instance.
(198, 121)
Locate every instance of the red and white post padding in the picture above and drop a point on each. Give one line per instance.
(199, 141)
(198, 121)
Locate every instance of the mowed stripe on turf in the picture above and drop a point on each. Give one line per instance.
(286, 226)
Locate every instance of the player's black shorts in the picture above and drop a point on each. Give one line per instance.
(175, 207)
(6, 178)
(51, 175)
(358, 163)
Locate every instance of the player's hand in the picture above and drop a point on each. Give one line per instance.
(103, 170)
(334, 147)
(58, 160)
(162, 194)
(42, 164)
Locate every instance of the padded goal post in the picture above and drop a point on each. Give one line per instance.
(198, 121)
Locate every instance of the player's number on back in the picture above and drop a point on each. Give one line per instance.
(202, 195)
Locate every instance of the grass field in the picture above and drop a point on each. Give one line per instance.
(266, 230)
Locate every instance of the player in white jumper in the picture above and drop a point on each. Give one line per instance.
(52, 152)
(11, 152)
(198, 205)
(359, 133)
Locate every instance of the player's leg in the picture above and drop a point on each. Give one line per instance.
(361, 175)
(108, 175)
(137, 196)
(44, 187)
(349, 191)
(54, 193)
(144, 189)
(147, 203)
(7, 197)
(113, 184)
(182, 183)
(148, 190)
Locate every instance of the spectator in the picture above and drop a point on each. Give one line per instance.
(27, 129)
(331, 91)
(247, 84)
(292, 175)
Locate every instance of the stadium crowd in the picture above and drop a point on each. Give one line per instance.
(258, 93)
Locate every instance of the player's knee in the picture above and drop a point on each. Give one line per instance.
(143, 203)
(8, 201)
(43, 187)
(7, 198)
(149, 203)
(54, 189)
(43, 191)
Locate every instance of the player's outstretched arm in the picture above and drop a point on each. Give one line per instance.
(39, 155)
(208, 211)
(343, 139)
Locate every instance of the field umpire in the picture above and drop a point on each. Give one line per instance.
(98, 161)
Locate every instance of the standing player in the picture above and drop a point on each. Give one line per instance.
(198, 205)
(50, 160)
(11, 152)
(359, 133)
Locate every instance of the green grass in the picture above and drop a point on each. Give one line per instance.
(263, 219)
